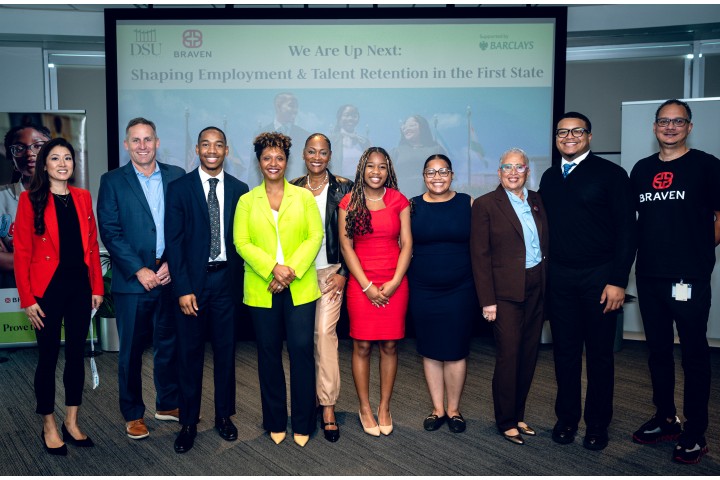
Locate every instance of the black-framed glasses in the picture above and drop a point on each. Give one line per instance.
(508, 167)
(576, 132)
(678, 122)
(19, 149)
(443, 172)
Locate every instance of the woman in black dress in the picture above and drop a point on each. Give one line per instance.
(442, 293)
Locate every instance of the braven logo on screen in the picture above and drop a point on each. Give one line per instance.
(191, 40)
(145, 43)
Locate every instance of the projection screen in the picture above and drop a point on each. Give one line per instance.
(467, 82)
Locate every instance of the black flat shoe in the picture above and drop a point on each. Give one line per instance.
(186, 438)
(68, 438)
(61, 450)
(563, 434)
(516, 439)
(433, 422)
(456, 424)
(330, 435)
(596, 440)
(226, 429)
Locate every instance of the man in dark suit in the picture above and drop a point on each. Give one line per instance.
(509, 241)
(131, 211)
(591, 214)
(207, 276)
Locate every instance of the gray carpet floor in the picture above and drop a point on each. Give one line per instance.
(409, 450)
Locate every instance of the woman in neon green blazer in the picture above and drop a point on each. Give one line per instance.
(278, 232)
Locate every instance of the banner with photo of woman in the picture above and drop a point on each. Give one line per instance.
(24, 133)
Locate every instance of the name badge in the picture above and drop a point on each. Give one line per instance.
(681, 292)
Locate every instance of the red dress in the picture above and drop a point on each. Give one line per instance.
(378, 253)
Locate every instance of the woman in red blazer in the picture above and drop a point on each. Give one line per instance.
(58, 276)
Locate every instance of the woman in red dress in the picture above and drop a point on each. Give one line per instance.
(377, 246)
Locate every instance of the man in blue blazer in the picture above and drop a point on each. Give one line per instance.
(130, 212)
(207, 280)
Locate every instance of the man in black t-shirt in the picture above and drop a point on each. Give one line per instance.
(678, 229)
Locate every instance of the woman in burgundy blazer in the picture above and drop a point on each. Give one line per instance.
(58, 276)
(508, 244)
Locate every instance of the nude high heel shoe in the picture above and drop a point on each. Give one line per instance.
(277, 437)
(300, 439)
(385, 429)
(374, 431)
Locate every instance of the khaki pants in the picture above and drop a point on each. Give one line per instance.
(327, 315)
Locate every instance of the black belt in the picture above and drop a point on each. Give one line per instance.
(215, 266)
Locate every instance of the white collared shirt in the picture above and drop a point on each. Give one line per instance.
(575, 161)
(220, 191)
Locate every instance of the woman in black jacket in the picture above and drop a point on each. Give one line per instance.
(332, 274)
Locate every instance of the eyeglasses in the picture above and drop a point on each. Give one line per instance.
(576, 132)
(678, 122)
(508, 167)
(443, 172)
(18, 149)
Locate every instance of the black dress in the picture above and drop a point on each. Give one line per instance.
(443, 303)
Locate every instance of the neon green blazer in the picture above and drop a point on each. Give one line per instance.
(301, 233)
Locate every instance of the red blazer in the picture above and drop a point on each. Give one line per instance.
(37, 257)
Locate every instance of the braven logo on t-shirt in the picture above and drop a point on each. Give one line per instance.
(662, 180)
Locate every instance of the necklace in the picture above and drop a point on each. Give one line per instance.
(319, 186)
(376, 199)
(64, 199)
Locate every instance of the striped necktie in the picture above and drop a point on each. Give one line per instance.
(566, 169)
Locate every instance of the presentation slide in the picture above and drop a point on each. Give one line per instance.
(468, 88)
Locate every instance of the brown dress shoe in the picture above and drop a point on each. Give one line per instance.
(168, 415)
(136, 429)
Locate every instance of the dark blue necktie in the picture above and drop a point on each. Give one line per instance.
(566, 169)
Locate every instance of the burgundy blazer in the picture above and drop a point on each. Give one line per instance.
(497, 246)
(37, 256)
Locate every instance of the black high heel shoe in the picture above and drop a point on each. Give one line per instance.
(62, 450)
(68, 438)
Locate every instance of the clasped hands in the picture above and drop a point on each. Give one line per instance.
(149, 279)
(380, 296)
(282, 277)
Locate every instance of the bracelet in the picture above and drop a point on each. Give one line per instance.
(366, 288)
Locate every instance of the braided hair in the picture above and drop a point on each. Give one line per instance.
(358, 217)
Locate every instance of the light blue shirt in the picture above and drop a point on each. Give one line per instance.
(153, 188)
(529, 228)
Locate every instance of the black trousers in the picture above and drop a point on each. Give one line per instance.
(299, 324)
(577, 320)
(216, 311)
(517, 331)
(68, 300)
(658, 310)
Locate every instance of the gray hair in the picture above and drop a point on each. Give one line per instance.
(517, 150)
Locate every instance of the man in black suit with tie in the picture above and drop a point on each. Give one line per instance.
(591, 216)
(207, 275)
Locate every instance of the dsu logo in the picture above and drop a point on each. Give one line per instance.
(662, 180)
(192, 39)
